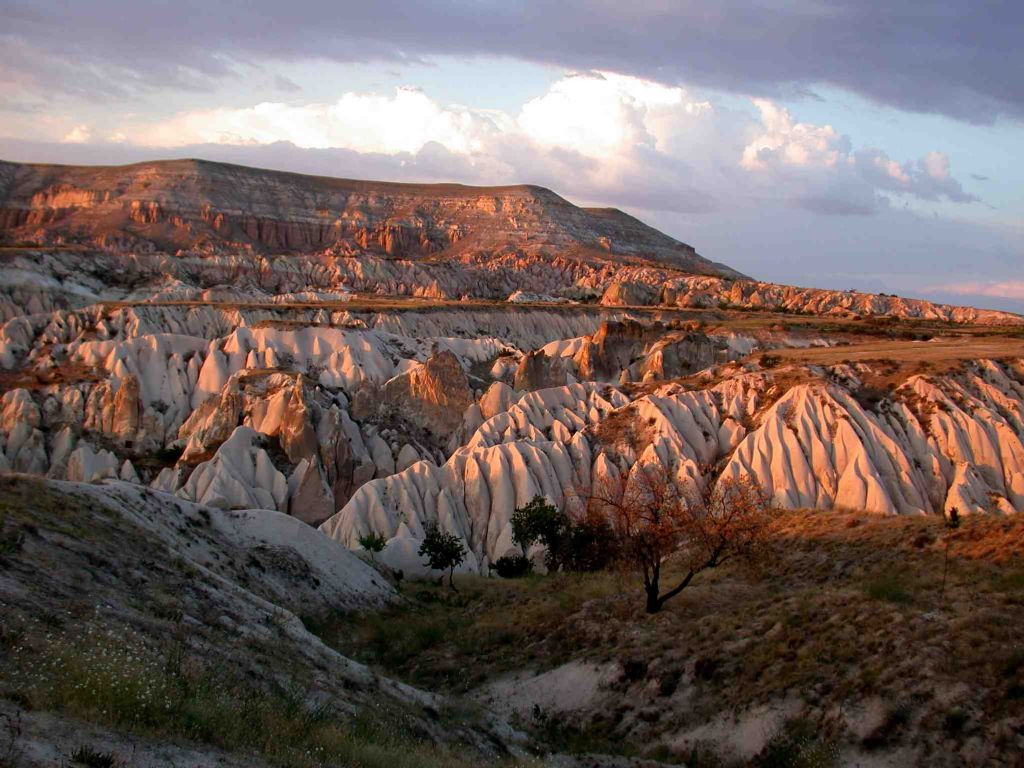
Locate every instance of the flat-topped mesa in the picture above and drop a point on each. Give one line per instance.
(195, 204)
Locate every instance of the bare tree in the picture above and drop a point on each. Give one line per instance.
(702, 528)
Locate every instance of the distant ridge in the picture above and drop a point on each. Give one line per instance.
(198, 204)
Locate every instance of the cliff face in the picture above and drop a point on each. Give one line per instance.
(193, 204)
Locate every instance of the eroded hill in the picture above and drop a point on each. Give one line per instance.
(195, 204)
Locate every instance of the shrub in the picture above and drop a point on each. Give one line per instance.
(955, 721)
(539, 521)
(373, 542)
(86, 755)
(888, 731)
(513, 566)
(589, 545)
(109, 675)
(890, 587)
(444, 551)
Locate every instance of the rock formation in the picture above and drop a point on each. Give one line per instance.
(193, 204)
(427, 354)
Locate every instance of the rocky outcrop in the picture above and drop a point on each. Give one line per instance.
(245, 380)
(241, 475)
(934, 443)
(434, 394)
(645, 286)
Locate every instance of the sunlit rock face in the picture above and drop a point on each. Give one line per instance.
(935, 443)
(377, 358)
(196, 204)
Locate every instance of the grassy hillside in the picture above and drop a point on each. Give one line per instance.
(123, 633)
(841, 644)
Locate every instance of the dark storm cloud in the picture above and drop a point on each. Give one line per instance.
(962, 58)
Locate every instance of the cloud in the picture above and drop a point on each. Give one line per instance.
(789, 142)
(943, 57)
(817, 168)
(600, 136)
(401, 122)
(286, 85)
(80, 134)
(928, 178)
(599, 112)
(1006, 289)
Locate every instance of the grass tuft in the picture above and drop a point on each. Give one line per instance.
(797, 745)
(92, 758)
(890, 587)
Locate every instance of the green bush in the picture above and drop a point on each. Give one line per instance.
(443, 550)
(513, 566)
(585, 545)
(373, 542)
(539, 521)
(890, 587)
(589, 546)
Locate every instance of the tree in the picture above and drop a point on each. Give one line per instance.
(444, 551)
(702, 528)
(373, 542)
(512, 566)
(590, 543)
(539, 521)
(952, 524)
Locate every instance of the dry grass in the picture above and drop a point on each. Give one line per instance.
(941, 354)
(846, 609)
(100, 621)
(65, 374)
(458, 640)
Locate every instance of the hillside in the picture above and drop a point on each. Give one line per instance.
(156, 632)
(196, 204)
(844, 645)
(235, 403)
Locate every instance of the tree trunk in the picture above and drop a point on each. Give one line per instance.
(652, 587)
(653, 601)
(945, 570)
(451, 579)
(656, 601)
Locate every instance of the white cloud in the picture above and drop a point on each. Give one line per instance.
(928, 178)
(936, 165)
(402, 122)
(80, 134)
(1005, 289)
(786, 141)
(602, 112)
(597, 114)
(824, 173)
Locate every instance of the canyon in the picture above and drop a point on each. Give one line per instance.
(316, 360)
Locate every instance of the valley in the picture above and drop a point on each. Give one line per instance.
(219, 384)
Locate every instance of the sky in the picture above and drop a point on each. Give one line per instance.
(837, 144)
